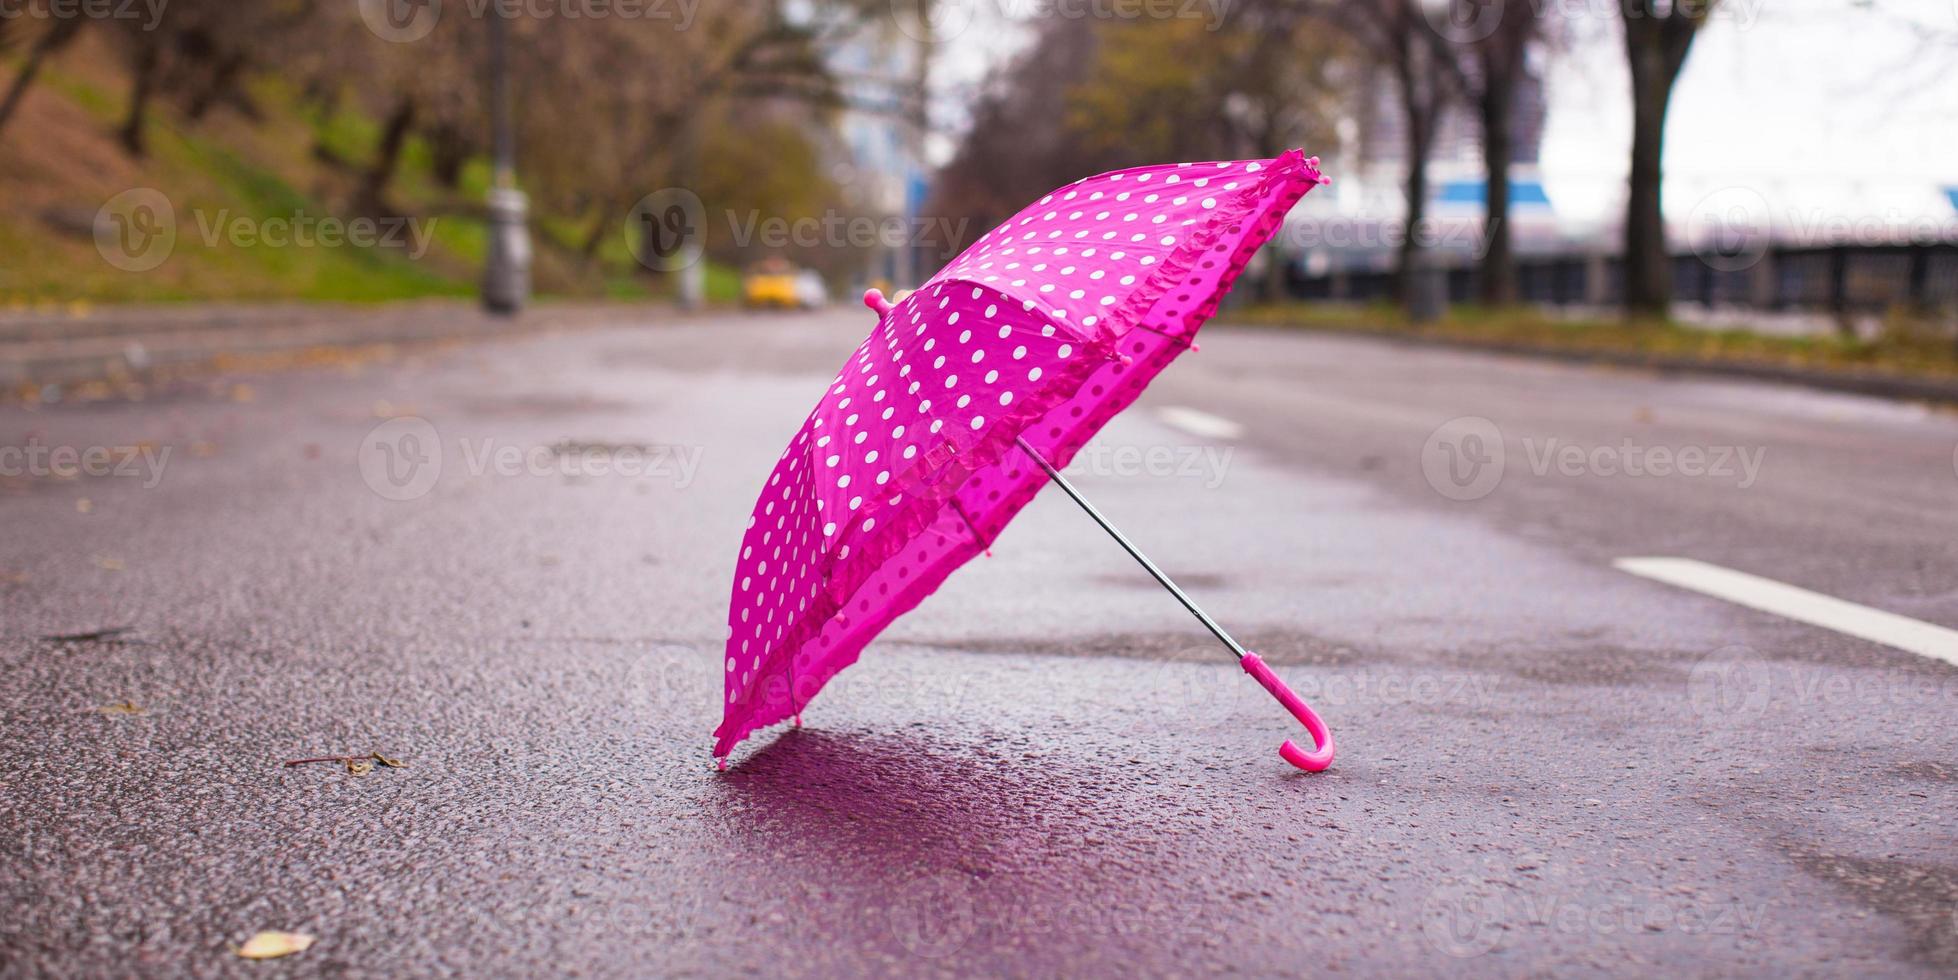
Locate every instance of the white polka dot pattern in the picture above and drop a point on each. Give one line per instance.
(1044, 329)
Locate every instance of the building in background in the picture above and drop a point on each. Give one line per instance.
(883, 74)
(1355, 225)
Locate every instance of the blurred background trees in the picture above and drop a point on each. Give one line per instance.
(1428, 113)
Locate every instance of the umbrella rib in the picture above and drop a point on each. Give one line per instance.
(969, 526)
(1186, 343)
(1158, 574)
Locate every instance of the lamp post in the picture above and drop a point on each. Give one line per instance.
(506, 275)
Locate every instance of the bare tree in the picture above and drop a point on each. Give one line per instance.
(1658, 34)
(59, 34)
(1497, 71)
(1398, 38)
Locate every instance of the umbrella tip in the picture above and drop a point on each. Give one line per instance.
(874, 298)
(720, 763)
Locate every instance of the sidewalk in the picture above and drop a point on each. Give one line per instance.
(41, 348)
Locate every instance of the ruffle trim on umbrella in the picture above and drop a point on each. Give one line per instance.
(1291, 167)
(923, 506)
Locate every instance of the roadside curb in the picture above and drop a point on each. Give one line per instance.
(1871, 383)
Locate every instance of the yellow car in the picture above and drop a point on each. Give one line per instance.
(777, 289)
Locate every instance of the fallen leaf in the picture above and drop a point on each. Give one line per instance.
(390, 763)
(84, 505)
(123, 707)
(243, 393)
(108, 564)
(203, 450)
(272, 945)
(13, 578)
(90, 636)
(360, 767)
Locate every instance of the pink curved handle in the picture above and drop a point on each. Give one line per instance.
(1322, 737)
(874, 298)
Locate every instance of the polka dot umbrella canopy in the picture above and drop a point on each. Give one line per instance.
(968, 397)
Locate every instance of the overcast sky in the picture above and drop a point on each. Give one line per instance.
(1850, 108)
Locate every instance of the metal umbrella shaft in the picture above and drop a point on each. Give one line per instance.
(1136, 553)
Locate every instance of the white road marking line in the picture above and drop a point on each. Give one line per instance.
(1814, 608)
(1201, 424)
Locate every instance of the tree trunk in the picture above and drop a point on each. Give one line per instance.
(142, 86)
(448, 154)
(1648, 269)
(1420, 139)
(1499, 67)
(1655, 48)
(223, 78)
(394, 136)
(55, 39)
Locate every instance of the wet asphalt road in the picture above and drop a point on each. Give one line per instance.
(1547, 765)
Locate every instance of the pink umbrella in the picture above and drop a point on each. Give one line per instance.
(969, 396)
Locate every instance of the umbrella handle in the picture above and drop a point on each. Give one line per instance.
(874, 298)
(1322, 737)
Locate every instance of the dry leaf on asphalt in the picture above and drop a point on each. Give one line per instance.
(123, 707)
(272, 945)
(108, 564)
(390, 763)
(360, 767)
(90, 636)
